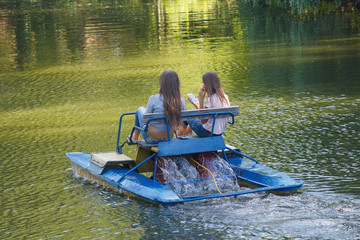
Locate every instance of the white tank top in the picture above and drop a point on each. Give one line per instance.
(220, 123)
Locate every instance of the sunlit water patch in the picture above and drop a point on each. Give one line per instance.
(69, 69)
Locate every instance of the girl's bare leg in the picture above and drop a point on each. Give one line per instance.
(135, 136)
(184, 131)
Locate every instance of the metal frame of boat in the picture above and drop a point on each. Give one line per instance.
(123, 174)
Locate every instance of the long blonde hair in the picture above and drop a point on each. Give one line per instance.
(213, 86)
(170, 91)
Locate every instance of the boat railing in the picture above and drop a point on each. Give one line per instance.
(212, 113)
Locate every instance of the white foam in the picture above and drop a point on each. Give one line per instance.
(184, 178)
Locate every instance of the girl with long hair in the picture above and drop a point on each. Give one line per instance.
(167, 101)
(216, 98)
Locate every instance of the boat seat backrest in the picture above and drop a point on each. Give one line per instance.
(198, 114)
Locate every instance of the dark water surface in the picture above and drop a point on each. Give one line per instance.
(69, 69)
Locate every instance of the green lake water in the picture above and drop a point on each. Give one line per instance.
(69, 69)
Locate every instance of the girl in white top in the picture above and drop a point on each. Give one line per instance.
(216, 98)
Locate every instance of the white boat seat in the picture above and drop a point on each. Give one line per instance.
(102, 159)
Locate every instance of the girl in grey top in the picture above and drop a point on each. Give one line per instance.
(167, 101)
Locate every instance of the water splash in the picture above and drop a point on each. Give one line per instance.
(189, 178)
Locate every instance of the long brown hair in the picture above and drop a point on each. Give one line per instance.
(170, 90)
(213, 86)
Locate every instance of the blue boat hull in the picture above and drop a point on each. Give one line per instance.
(134, 184)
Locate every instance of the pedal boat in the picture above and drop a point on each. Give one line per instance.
(137, 177)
